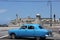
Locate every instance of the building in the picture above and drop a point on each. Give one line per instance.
(37, 20)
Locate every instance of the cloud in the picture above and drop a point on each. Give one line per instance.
(3, 10)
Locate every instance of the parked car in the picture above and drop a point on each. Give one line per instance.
(30, 30)
(59, 31)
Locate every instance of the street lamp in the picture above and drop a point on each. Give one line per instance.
(50, 6)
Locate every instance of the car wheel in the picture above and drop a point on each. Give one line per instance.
(13, 36)
(42, 38)
(37, 38)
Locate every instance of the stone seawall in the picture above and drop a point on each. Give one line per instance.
(7, 28)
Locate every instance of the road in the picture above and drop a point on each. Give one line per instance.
(4, 35)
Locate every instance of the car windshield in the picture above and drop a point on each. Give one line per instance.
(40, 27)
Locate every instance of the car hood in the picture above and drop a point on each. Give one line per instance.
(46, 30)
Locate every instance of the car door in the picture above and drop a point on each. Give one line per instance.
(22, 31)
(30, 31)
(39, 31)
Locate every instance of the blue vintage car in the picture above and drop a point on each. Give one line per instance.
(30, 30)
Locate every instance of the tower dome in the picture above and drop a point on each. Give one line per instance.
(38, 16)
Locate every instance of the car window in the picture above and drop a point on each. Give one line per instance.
(40, 27)
(23, 27)
(30, 27)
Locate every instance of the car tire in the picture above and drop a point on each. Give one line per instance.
(37, 38)
(13, 36)
(42, 38)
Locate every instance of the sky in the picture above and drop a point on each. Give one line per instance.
(25, 8)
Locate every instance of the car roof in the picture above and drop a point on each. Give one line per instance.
(32, 24)
(35, 25)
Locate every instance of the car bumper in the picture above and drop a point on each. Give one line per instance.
(49, 35)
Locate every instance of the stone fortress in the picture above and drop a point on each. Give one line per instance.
(37, 20)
